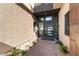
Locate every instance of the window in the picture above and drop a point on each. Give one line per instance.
(48, 18)
(41, 19)
(67, 24)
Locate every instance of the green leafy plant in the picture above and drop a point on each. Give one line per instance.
(34, 43)
(17, 52)
(23, 52)
(63, 48)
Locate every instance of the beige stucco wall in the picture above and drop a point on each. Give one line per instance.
(16, 25)
(74, 29)
(29, 6)
(62, 37)
(57, 5)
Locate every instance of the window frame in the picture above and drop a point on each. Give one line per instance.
(67, 27)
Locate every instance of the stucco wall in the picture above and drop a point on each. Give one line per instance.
(16, 25)
(62, 37)
(74, 29)
(28, 5)
(57, 5)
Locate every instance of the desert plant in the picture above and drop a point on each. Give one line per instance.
(23, 52)
(17, 52)
(34, 43)
(62, 47)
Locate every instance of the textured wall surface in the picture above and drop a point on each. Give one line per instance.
(57, 5)
(74, 29)
(16, 25)
(62, 37)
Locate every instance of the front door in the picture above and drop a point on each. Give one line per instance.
(47, 26)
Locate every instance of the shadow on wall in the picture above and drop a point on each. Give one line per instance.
(4, 48)
(27, 10)
(24, 7)
(30, 12)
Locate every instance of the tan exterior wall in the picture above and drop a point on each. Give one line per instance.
(16, 25)
(57, 5)
(74, 29)
(29, 6)
(62, 37)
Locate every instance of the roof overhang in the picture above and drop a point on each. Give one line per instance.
(53, 12)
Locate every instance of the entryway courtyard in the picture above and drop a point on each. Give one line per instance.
(45, 47)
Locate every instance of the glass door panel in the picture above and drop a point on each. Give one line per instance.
(47, 26)
(41, 29)
(48, 29)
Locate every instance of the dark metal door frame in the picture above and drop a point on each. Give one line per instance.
(54, 33)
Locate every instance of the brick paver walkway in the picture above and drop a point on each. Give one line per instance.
(44, 48)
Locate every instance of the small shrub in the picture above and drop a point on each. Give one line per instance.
(23, 52)
(17, 52)
(34, 43)
(63, 48)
